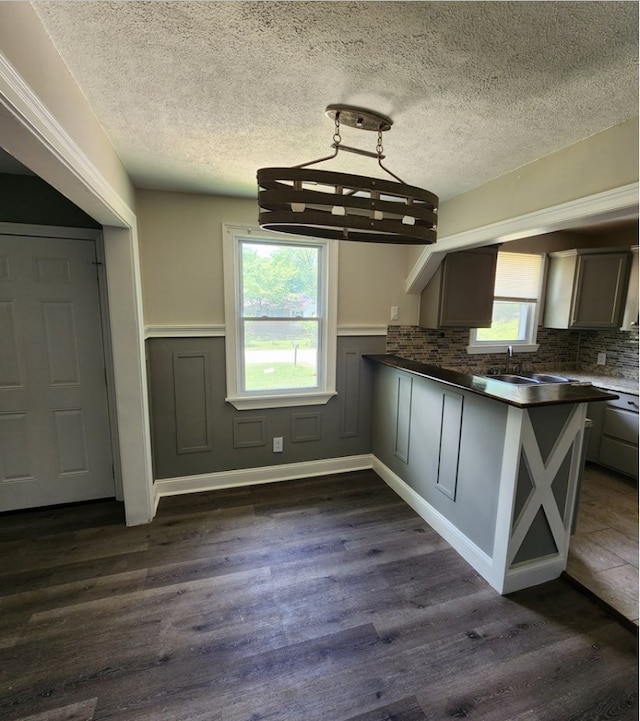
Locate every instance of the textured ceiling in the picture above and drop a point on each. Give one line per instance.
(197, 96)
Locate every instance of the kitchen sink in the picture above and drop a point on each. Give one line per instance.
(546, 378)
(526, 378)
(512, 378)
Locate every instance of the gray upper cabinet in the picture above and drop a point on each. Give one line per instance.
(586, 289)
(630, 316)
(460, 294)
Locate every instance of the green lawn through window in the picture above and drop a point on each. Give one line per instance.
(267, 376)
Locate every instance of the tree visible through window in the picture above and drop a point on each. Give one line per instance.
(280, 318)
(280, 322)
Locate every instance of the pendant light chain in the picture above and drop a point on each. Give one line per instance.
(379, 148)
(337, 138)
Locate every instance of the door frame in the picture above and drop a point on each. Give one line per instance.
(31, 132)
(88, 234)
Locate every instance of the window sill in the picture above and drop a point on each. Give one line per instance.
(502, 348)
(247, 403)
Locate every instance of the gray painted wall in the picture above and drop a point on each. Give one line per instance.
(194, 431)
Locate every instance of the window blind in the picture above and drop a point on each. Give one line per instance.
(518, 276)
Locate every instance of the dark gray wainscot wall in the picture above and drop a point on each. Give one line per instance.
(200, 441)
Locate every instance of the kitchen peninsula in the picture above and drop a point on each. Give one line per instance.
(491, 466)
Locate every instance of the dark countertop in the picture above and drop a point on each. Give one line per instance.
(522, 396)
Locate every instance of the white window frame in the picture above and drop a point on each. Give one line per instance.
(327, 331)
(528, 345)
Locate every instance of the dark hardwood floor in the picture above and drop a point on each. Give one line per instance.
(317, 600)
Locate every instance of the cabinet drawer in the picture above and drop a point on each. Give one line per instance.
(621, 424)
(621, 456)
(627, 401)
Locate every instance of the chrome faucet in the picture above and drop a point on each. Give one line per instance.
(509, 357)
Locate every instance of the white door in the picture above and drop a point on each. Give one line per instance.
(54, 427)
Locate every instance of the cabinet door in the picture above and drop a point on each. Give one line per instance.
(600, 286)
(468, 281)
(621, 424)
(630, 316)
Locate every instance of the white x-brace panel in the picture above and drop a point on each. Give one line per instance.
(542, 476)
(521, 442)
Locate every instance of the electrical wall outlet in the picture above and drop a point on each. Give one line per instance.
(277, 444)
(394, 312)
(602, 359)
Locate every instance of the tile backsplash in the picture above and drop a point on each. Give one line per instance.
(621, 348)
(559, 349)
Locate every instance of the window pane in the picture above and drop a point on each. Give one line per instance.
(279, 281)
(280, 354)
(510, 322)
(517, 275)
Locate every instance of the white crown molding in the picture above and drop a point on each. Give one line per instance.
(615, 204)
(263, 474)
(25, 106)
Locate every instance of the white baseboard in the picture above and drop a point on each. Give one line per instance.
(471, 553)
(532, 573)
(262, 474)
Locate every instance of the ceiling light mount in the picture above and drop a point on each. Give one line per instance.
(359, 117)
(326, 204)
